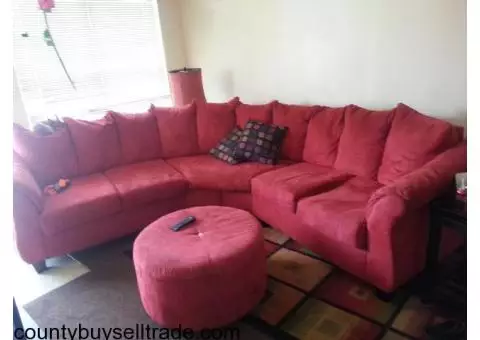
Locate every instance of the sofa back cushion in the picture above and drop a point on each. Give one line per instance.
(323, 134)
(214, 122)
(295, 118)
(414, 140)
(259, 113)
(362, 142)
(49, 158)
(97, 144)
(138, 133)
(177, 129)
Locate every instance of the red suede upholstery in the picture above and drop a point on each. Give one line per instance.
(330, 203)
(239, 200)
(397, 243)
(202, 197)
(414, 139)
(351, 259)
(295, 118)
(96, 144)
(138, 135)
(207, 275)
(107, 228)
(141, 183)
(287, 186)
(397, 219)
(214, 122)
(430, 181)
(206, 172)
(25, 185)
(341, 211)
(177, 128)
(323, 135)
(87, 199)
(246, 112)
(362, 142)
(49, 158)
(28, 233)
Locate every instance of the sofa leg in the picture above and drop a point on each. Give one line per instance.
(40, 266)
(386, 297)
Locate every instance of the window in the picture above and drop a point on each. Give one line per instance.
(112, 50)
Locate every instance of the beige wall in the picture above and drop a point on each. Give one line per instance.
(374, 53)
(172, 33)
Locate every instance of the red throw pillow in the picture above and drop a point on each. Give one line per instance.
(214, 121)
(260, 113)
(138, 134)
(96, 143)
(177, 128)
(323, 135)
(362, 142)
(49, 158)
(414, 140)
(295, 118)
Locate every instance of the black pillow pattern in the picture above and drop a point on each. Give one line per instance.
(260, 142)
(226, 147)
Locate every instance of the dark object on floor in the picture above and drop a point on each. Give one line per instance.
(385, 297)
(40, 266)
(448, 330)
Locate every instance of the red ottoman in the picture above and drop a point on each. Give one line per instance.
(207, 275)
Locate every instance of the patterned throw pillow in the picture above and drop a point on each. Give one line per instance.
(226, 147)
(260, 142)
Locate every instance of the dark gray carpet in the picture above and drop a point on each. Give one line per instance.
(105, 297)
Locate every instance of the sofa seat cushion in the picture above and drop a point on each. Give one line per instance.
(146, 182)
(287, 185)
(88, 198)
(207, 172)
(340, 213)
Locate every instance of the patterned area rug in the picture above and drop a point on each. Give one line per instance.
(307, 298)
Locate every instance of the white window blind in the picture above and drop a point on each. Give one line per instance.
(112, 50)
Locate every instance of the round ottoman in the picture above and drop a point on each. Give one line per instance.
(207, 275)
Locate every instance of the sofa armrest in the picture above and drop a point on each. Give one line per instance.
(425, 184)
(28, 203)
(397, 219)
(25, 184)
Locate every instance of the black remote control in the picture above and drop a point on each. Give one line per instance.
(183, 223)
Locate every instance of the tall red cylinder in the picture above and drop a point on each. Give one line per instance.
(186, 85)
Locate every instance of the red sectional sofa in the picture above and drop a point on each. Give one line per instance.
(353, 184)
